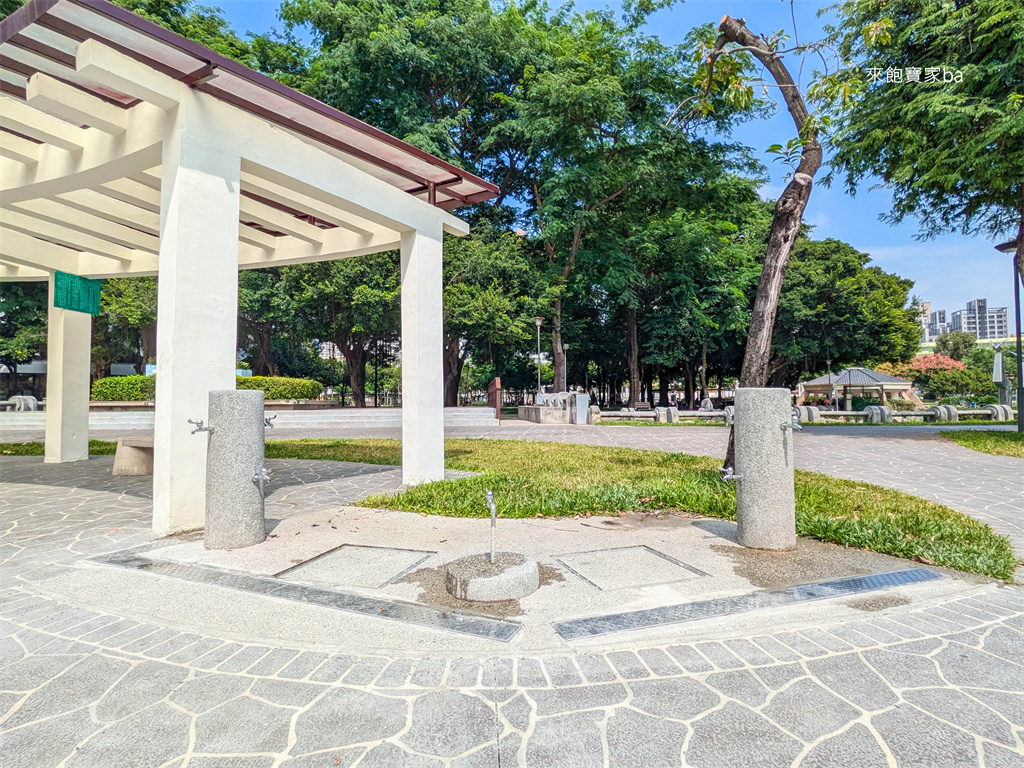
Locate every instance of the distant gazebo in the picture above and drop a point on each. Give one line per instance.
(860, 381)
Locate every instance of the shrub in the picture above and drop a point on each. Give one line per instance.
(898, 404)
(961, 382)
(131, 388)
(134, 388)
(281, 388)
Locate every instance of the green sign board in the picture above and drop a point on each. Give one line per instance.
(79, 294)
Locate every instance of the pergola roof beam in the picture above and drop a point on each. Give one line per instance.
(20, 117)
(281, 195)
(9, 271)
(71, 238)
(19, 248)
(58, 213)
(74, 105)
(279, 221)
(121, 73)
(133, 192)
(256, 237)
(98, 204)
(18, 148)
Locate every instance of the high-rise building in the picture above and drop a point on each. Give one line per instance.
(981, 320)
(937, 324)
(924, 309)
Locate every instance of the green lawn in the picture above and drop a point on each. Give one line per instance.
(989, 441)
(695, 422)
(96, 448)
(555, 479)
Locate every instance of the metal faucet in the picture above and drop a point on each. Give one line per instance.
(199, 426)
(794, 424)
(728, 475)
(261, 477)
(268, 419)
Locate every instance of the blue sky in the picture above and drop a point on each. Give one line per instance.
(947, 271)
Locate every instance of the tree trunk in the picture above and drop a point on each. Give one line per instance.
(663, 387)
(649, 385)
(147, 335)
(355, 358)
(634, 357)
(688, 385)
(453, 363)
(788, 213)
(263, 359)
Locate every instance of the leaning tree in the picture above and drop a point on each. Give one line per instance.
(805, 156)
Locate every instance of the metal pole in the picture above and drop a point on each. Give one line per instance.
(494, 520)
(538, 362)
(1020, 360)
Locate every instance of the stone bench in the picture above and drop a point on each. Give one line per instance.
(134, 456)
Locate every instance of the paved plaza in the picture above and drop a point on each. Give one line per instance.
(102, 666)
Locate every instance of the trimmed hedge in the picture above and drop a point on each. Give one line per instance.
(142, 388)
(124, 388)
(282, 388)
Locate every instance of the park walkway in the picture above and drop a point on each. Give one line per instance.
(94, 680)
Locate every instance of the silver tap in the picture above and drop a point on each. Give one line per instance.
(794, 424)
(268, 419)
(728, 475)
(261, 477)
(199, 426)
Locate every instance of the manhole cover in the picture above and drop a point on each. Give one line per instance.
(351, 565)
(624, 567)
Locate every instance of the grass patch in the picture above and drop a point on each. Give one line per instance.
(96, 448)
(556, 479)
(709, 422)
(851, 422)
(989, 441)
(364, 451)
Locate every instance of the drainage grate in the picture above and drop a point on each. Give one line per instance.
(577, 629)
(411, 613)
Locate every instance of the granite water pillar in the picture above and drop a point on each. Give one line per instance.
(235, 477)
(765, 498)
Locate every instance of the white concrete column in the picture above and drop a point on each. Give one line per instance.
(68, 361)
(422, 358)
(197, 316)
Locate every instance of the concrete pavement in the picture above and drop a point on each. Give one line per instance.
(101, 669)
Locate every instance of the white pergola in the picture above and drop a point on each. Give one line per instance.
(127, 150)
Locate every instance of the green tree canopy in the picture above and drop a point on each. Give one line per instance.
(949, 144)
(955, 344)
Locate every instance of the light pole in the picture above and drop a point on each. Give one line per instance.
(565, 367)
(537, 321)
(1014, 247)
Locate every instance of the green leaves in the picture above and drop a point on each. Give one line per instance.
(951, 149)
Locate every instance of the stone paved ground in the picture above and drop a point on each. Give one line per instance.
(929, 685)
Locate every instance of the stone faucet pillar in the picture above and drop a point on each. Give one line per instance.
(234, 499)
(765, 499)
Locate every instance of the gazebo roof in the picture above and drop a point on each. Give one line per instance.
(97, 106)
(858, 377)
(44, 35)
